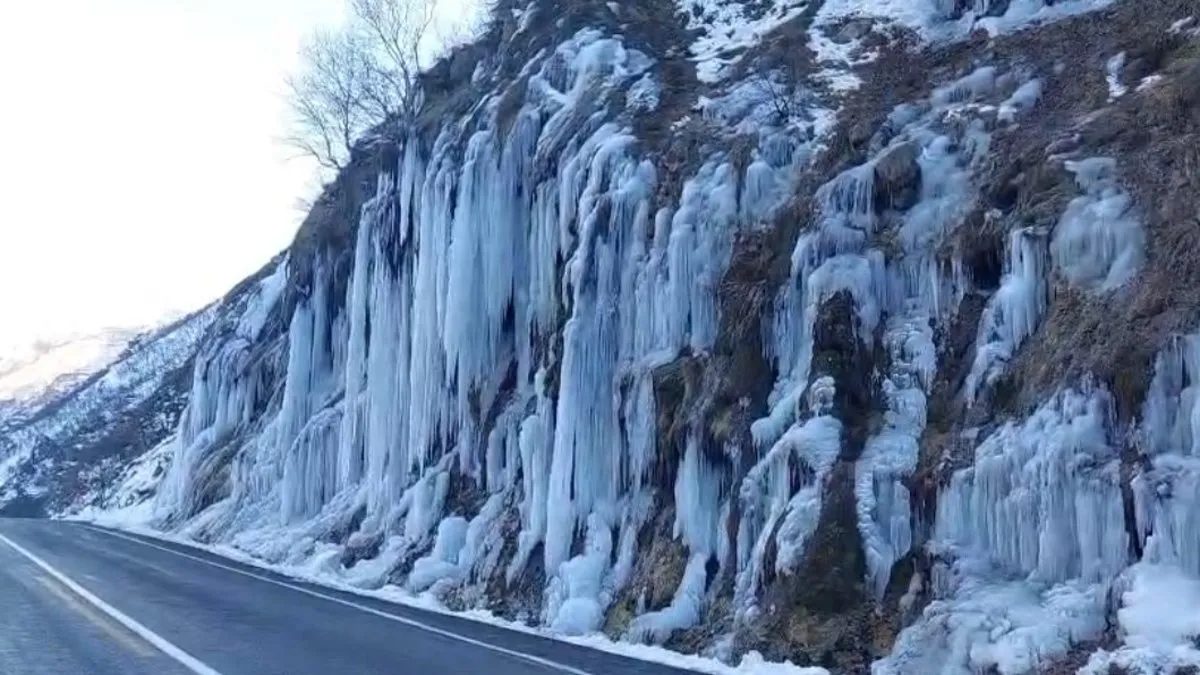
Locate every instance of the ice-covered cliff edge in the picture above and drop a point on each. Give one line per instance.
(851, 334)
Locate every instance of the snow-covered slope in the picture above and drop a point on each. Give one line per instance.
(32, 375)
(63, 442)
(860, 335)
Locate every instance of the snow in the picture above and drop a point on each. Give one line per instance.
(933, 20)
(59, 364)
(992, 624)
(131, 500)
(1112, 75)
(1149, 82)
(1159, 621)
(87, 413)
(1188, 24)
(728, 27)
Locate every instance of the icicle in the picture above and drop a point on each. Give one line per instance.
(1098, 242)
(1043, 497)
(310, 470)
(1165, 493)
(1013, 313)
(884, 511)
(766, 494)
(697, 502)
(574, 605)
(350, 454)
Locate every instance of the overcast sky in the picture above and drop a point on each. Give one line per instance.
(140, 171)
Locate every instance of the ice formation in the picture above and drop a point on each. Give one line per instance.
(1112, 74)
(1159, 621)
(1043, 498)
(1029, 539)
(455, 320)
(983, 621)
(908, 296)
(1037, 538)
(516, 284)
(1168, 512)
(1014, 312)
(1098, 242)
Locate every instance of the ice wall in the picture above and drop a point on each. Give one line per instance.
(1166, 492)
(481, 366)
(1033, 540)
(514, 284)
(877, 236)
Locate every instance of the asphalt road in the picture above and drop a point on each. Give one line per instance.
(75, 600)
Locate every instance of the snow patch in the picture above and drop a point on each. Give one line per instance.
(728, 27)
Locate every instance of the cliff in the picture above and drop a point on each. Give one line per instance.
(859, 335)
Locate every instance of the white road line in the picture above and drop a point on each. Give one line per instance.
(187, 660)
(561, 667)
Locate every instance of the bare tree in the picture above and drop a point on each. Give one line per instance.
(331, 99)
(401, 31)
(364, 74)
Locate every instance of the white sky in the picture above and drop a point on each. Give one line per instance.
(140, 171)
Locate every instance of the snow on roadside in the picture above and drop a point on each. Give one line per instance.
(134, 519)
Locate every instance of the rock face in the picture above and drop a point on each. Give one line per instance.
(687, 326)
(898, 178)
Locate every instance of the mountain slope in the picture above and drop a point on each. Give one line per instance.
(33, 375)
(860, 335)
(63, 446)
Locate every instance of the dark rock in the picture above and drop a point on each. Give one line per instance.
(657, 573)
(676, 388)
(997, 7)
(852, 30)
(841, 351)
(897, 178)
(361, 547)
(520, 600)
(957, 9)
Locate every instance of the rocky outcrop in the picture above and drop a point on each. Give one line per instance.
(898, 178)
